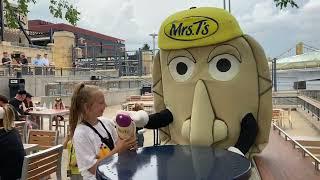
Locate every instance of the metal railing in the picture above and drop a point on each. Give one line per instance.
(30, 70)
(314, 94)
(310, 104)
(295, 143)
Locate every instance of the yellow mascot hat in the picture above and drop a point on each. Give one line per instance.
(198, 27)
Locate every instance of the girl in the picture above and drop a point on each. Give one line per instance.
(11, 151)
(93, 138)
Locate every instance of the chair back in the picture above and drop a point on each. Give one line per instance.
(276, 114)
(44, 138)
(21, 127)
(146, 98)
(42, 164)
(135, 98)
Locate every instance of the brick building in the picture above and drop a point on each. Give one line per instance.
(93, 44)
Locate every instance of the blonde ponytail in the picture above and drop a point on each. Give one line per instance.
(81, 95)
(8, 117)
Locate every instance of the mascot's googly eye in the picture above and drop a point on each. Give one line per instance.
(181, 68)
(224, 67)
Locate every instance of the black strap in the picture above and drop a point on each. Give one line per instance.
(107, 141)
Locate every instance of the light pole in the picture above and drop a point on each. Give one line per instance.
(1, 20)
(153, 35)
(274, 75)
(229, 5)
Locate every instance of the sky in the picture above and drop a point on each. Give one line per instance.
(133, 20)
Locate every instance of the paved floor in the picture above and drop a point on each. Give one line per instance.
(301, 127)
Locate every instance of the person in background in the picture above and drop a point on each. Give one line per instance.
(45, 60)
(32, 121)
(58, 105)
(37, 61)
(6, 59)
(28, 104)
(15, 61)
(23, 60)
(16, 102)
(12, 151)
(4, 101)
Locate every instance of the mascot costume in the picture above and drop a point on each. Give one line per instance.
(211, 84)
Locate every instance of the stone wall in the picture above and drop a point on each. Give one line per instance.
(59, 53)
(64, 43)
(147, 62)
(15, 35)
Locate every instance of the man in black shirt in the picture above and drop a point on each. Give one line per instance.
(23, 59)
(16, 102)
(6, 60)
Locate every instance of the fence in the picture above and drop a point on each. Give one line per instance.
(28, 70)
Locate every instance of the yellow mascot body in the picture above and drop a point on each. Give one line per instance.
(210, 76)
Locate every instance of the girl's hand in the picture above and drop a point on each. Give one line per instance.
(125, 144)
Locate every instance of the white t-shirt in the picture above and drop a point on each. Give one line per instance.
(87, 144)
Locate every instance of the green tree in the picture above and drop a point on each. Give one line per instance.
(284, 3)
(58, 8)
(146, 47)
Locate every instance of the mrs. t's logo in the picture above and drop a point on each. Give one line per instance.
(191, 28)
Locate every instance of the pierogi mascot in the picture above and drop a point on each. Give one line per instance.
(214, 80)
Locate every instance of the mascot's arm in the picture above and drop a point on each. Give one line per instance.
(152, 121)
(160, 119)
(248, 133)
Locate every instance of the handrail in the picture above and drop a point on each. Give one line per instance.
(310, 102)
(295, 143)
(17, 69)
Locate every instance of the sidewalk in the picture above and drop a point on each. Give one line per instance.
(301, 127)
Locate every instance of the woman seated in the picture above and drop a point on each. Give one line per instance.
(59, 105)
(11, 152)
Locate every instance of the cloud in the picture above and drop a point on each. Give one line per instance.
(278, 31)
(134, 20)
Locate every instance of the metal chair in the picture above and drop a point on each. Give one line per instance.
(60, 124)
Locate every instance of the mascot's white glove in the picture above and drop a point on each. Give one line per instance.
(141, 117)
(235, 150)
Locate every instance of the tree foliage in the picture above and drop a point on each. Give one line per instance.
(58, 8)
(284, 3)
(64, 10)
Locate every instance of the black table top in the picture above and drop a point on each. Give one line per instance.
(175, 162)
